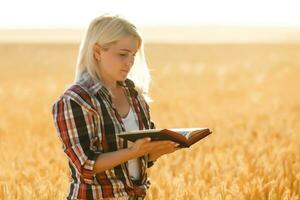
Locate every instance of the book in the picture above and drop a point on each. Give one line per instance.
(185, 137)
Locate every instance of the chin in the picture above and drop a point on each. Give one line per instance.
(122, 78)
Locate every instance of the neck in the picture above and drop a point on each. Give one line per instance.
(111, 85)
(108, 82)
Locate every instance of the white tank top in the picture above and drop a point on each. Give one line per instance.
(131, 125)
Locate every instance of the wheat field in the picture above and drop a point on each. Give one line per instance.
(248, 94)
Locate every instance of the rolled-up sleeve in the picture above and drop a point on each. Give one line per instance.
(76, 129)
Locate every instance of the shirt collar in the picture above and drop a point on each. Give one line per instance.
(94, 85)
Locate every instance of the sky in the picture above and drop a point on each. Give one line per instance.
(77, 14)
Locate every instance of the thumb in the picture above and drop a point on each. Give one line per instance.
(143, 140)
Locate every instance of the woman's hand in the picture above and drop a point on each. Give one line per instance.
(155, 155)
(155, 149)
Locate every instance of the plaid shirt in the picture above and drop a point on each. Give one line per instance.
(87, 124)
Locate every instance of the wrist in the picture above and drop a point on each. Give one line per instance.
(132, 152)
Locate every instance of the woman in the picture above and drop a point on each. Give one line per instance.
(108, 97)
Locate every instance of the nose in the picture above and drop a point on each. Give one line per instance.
(130, 61)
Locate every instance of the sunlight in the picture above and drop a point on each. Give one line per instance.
(77, 14)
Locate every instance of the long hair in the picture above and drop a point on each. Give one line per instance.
(106, 30)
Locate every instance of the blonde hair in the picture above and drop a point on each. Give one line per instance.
(106, 30)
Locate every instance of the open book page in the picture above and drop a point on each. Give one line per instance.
(187, 132)
(145, 131)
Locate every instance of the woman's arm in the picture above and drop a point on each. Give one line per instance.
(72, 122)
(74, 126)
(140, 147)
(109, 160)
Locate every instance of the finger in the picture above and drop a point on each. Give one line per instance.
(160, 146)
(143, 140)
(165, 148)
(161, 141)
(164, 143)
(178, 148)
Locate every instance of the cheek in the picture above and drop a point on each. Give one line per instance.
(114, 59)
(110, 61)
(112, 64)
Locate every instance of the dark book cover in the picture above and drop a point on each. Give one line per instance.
(184, 136)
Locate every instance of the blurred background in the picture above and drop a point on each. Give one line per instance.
(233, 66)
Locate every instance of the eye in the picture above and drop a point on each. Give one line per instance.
(124, 55)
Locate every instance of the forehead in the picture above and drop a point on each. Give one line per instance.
(126, 42)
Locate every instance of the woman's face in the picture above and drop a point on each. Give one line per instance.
(116, 62)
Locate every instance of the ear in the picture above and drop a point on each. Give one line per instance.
(97, 51)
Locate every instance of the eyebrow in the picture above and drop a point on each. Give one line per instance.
(125, 50)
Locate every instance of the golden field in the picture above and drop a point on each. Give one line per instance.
(248, 94)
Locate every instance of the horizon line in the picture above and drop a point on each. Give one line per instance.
(165, 34)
